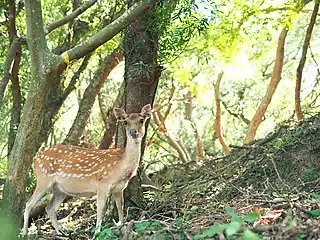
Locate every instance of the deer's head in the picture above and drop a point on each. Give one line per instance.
(134, 122)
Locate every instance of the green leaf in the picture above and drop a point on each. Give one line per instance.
(315, 196)
(215, 229)
(251, 217)
(232, 213)
(194, 208)
(141, 226)
(199, 236)
(249, 235)
(315, 213)
(233, 228)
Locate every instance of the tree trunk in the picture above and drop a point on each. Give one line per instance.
(275, 79)
(141, 79)
(218, 114)
(28, 132)
(89, 96)
(302, 61)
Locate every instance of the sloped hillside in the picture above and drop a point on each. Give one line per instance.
(267, 190)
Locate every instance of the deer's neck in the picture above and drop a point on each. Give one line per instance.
(132, 153)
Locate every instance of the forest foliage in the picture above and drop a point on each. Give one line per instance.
(222, 61)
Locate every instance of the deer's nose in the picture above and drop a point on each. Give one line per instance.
(133, 133)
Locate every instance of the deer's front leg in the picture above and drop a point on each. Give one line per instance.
(101, 206)
(118, 197)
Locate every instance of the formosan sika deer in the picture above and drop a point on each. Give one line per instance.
(76, 171)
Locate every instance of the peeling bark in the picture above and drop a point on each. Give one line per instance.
(275, 79)
(302, 61)
(218, 114)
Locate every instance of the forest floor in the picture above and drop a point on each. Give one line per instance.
(269, 189)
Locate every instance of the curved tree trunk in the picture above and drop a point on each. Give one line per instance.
(218, 114)
(15, 86)
(275, 79)
(302, 61)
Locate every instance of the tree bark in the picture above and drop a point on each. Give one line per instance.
(28, 132)
(302, 61)
(275, 79)
(141, 78)
(218, 114)
(89, 96)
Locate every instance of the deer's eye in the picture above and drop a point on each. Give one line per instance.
(141, 120)
(125, 122)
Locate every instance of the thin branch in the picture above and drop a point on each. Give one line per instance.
(50, 27)
(107, 32)
(16, 43)
(302, 61)
(218, 114)
(239, 116)
(75, 77)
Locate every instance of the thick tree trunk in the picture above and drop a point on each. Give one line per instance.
(302, 61)
(28, 132)
(275, 79)
(89, 96)
(141, 79)
(218, 114)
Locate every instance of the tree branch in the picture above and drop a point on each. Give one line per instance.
(275, 79)
(75, 77)
(302, 61)
(16, 43)
(218, 114)
(237, 115)
(108, 32)
(50, 27)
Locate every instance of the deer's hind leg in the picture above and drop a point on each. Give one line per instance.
(56, 200)
(42, 187)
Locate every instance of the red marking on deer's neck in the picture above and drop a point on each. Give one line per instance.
(130, 174)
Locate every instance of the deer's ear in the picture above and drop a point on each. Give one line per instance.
(120, 114)
(146, 111)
